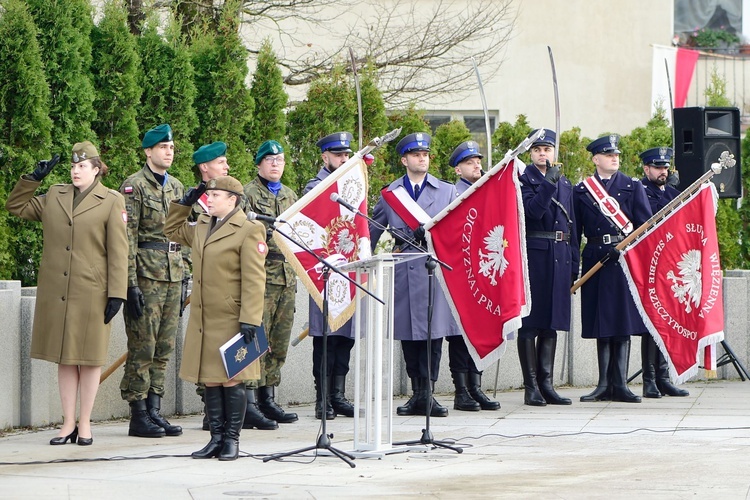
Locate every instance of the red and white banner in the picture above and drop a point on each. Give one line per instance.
(675, 278)
(332, 232)
(681, 63)
(481, 235)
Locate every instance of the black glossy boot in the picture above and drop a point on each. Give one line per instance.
(153, 403)
(141, 424)
(330, 414)
(648, 368)
(603, 391)
(271, 409)
(340, 404)
(254, 417)
(235, 404)
(527, 357)
(462, 400)
(425, 397)
(620, 355)
(408, 408)
(214, 399)
(475, 390)
(545, 369)
(663, 383)
(205, 425)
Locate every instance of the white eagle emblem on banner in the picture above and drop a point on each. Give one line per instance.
(688, 286)
(494, 261)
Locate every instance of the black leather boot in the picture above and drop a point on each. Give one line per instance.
(545, 369)
(475, 389)
(235, 404)
(603, 391)
(648, 368)
(620, 355)
(425, 397)
(141, 424)
(330, 414)
(153, 403)
(663, 383)
(271, 409)
(409, 408)
(462, 400)
(214, 400)
(527, 357)
(340, 404)
(253, 416)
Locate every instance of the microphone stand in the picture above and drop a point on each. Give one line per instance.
(431, 264)
(324, 440)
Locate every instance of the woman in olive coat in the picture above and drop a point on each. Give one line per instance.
(82, 278)
(229, 280)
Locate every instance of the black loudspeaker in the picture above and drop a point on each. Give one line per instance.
(701, 135)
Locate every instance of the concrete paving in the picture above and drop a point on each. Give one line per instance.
(692, 447)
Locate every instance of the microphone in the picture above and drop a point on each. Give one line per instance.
(264, 218)
(338, 199)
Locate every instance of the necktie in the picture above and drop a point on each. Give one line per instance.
(416, 191)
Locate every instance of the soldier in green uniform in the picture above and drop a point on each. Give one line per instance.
(156, 268)
(266, 195)
(211, 162)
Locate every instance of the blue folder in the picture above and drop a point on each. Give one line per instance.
(237, 355)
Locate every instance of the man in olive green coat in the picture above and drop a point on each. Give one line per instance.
(156, 268)
(268, 196)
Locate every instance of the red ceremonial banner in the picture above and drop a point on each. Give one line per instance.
(331, 231)
(481, 235)
(675, 278)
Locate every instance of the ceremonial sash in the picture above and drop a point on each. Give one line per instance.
(608, 205)
(405, 207)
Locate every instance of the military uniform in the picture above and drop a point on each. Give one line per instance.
(228, 283)
(467, 379)
(608, 312)
(411, 286)
(156, 266)
(341, 341)
(655, 369)
(281, 287)
(553, 254)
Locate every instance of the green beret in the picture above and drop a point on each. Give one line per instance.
(162, 133)
(83, 151)
(268, 148)
(209, 152)
(225, 183)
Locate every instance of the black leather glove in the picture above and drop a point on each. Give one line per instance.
(44, 167)
(613, 255)
(248, 331)
(553, 173)
(193, 194)
(135, 302)
(573, 278)
(673, 179)
(419, 234)
(113, 307)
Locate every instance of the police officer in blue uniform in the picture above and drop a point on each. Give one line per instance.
(467, 379)
(656, 162)
(553, 254)
(411, 280)
(608, 313)
(334, 151)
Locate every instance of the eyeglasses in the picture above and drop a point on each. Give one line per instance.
(279, 160)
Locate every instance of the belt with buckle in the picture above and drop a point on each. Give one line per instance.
(165, 246)
(275, 256)
(549, 235)
(606, 239)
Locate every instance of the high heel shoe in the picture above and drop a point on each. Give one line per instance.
(86, 441)
(73, 436)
